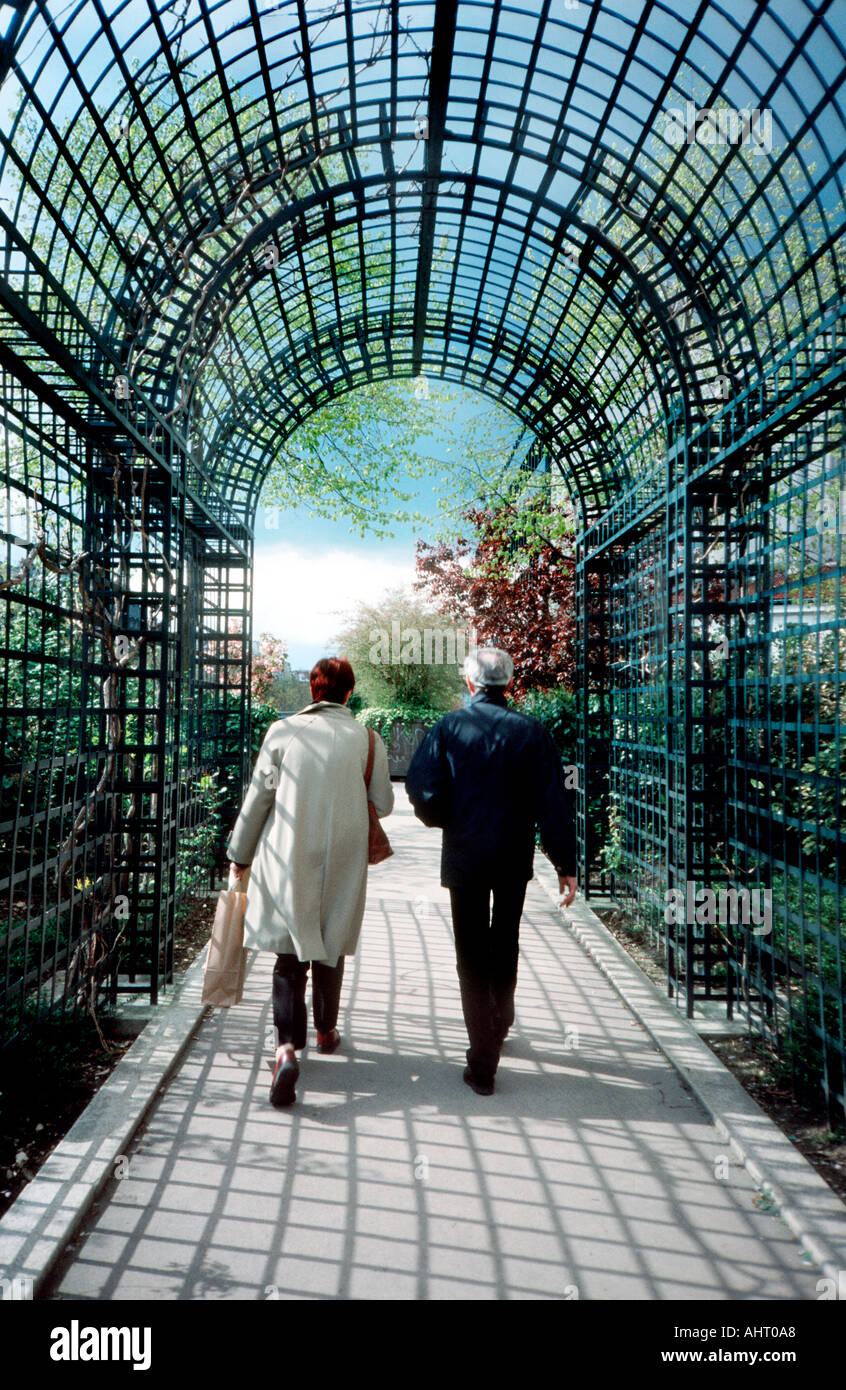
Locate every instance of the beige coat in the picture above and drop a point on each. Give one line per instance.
(303, 828)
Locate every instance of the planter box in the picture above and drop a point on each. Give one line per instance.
(401, 746)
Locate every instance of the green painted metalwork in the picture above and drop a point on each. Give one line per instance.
(624, 222)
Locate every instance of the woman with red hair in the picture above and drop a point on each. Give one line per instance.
(303, 831)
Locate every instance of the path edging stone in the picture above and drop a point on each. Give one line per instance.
(47, 1214)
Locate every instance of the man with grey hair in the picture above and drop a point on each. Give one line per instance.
(488, 667)
(488, 776)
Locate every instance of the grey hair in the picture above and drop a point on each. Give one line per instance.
(488, 666)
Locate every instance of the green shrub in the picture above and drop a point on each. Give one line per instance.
(199, 844)
(382, 718)
(556, 710)
(262, 717)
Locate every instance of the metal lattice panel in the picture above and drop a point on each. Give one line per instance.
(217, 217)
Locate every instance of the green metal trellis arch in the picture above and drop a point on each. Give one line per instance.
(216, 216)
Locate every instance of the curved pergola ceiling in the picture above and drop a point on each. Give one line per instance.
(246, 209)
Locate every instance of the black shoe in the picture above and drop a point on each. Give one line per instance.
(477, 1084)
(282, 1090)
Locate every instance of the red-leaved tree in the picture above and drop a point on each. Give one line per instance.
(518, 596)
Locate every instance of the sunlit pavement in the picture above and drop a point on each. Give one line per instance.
(591, 1173)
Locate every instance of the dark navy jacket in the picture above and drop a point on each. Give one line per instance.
(488, 775)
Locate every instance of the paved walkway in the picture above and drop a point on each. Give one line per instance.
(591, 1173)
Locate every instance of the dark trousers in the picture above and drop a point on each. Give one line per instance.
(486, 951)
(289, 1010)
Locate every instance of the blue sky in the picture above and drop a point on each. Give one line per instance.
(310, 573)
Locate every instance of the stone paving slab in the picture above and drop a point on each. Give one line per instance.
(592, 1173)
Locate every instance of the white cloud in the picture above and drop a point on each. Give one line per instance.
(302, 594)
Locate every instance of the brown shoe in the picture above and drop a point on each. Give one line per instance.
(282, 1087)
(329, 1042)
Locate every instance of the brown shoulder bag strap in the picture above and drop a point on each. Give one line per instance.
(371, 753)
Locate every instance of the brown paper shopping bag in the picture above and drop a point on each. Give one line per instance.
(226, 963)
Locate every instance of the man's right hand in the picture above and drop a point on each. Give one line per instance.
(567, 888)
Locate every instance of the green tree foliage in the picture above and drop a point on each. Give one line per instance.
(290, 690)
(403, 653)
(357, 458)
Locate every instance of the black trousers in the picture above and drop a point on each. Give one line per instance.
(289, 1010)
(486, 952)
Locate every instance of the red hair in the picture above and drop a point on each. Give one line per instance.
(331, 679)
